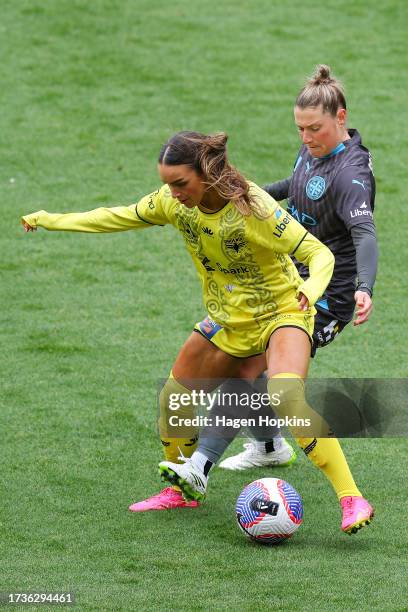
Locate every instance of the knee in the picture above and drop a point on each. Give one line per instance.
(174, 401)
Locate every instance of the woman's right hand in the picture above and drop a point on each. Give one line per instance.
(28, 228)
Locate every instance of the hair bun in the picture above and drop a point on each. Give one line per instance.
(322, 74)
(216, 142)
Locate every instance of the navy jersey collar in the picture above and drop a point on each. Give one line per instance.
(340, 147)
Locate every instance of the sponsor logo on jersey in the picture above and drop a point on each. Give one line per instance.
(280, 227)
(209, 327)
(229, 288)
(303, 218)
(151, 203)
(206, 263)
(315, 187)
(238, 270)
(207, 230)
(278, 213)
(356, 182)
(357, 212)
(364, 205)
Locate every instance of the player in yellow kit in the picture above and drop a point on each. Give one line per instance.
(240, 241)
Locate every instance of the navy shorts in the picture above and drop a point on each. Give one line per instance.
(326, 327)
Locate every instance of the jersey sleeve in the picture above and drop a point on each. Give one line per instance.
(365, 243)
(280, 232)
(150, 210)
(320, 261)
(278, 190)
(354, 195)
(283, 234)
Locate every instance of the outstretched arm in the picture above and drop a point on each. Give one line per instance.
(117, 219)
(147, 212)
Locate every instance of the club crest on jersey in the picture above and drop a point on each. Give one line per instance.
(236, 243)
(315, 187)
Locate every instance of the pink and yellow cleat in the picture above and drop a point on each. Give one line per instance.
(167, 499)
(357, 512)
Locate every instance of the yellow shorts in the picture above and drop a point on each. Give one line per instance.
(254, 339)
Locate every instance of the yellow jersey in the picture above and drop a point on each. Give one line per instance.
(243, 262)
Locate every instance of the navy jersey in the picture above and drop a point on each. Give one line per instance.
(329, 195)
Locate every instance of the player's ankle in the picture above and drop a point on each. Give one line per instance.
(201, 462)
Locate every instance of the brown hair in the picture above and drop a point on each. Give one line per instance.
(322, 89)
(207, 155)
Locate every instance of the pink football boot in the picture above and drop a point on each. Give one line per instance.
(357, 512)
(165, 500)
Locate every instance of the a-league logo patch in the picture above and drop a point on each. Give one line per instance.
(315, 187)
(209, 328)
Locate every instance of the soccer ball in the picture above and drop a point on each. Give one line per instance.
(269, 510)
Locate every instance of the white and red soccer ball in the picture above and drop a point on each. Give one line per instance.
(269, 510)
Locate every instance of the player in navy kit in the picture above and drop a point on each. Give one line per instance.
(333, 197)
(331, 192)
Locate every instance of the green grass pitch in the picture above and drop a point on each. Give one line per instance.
(89, 92)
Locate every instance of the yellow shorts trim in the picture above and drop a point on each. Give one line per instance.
(253, 340)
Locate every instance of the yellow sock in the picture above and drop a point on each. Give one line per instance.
(173, 447)
(324, 452)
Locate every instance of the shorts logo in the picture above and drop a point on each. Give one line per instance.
(209, 328)
(315, 187)
(278, 213)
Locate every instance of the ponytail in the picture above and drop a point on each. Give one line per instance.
(207, 155)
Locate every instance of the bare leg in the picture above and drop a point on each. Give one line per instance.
(199, 359)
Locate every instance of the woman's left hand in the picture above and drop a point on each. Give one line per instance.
(364, 306)
(303, 302)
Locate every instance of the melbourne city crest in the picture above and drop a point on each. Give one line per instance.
(315, 187)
